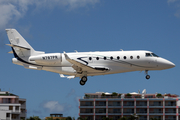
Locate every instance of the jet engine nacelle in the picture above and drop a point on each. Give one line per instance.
(47, 59)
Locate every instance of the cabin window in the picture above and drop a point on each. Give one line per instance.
(131, 57)
(138, 57)
(97, 58)
(111, 57)
(105, 58)
(124, 57)
(90, 58)
(118, 57)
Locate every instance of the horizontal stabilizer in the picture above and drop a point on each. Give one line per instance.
(22, 47)
(32, 67)
(10, 52)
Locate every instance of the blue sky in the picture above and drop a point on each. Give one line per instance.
(88, 25)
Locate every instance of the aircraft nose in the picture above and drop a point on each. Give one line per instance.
(165, 64)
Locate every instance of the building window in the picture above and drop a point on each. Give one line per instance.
(10, 107)
(7, 115)
(17, 108)
(6, 100)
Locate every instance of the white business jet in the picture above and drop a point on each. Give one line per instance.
(84, 64)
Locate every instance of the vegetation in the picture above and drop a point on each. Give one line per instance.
(80, 118)
(87, 96)
(114, 94)
(128, 95)
(33, 118)
(159, 95)
(103, 94)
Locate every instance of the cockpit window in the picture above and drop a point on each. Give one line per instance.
(148, 55)
(154, 55)
(151, 55)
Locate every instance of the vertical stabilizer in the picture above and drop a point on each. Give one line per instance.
(20, 46)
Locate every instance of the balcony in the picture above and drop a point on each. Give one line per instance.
(155, 112)
(128, 104)
(100, 104)
(141, 111)
(141, 104)
(86, 105)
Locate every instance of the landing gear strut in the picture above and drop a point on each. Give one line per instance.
(83, 80)
(147, 76)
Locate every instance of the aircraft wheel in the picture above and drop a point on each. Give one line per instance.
(84, 79)
(147, 77)
(82, 82)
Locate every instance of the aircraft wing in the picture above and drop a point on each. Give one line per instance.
(79, 67)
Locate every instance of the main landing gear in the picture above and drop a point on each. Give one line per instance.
(83, 80)
(147, 76)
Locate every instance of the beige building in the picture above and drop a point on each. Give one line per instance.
(96, 106)
(12, 107)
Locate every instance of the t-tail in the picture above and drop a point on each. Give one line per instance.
(20, 48)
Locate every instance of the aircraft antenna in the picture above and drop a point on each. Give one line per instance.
(76, 51)
(121, 49)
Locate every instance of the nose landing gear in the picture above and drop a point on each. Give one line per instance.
(83, 80)
(147, 76)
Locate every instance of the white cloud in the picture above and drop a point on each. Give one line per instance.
(176, 6)
(171, 1)
(13, 10)
(177, 14)
(55, 106)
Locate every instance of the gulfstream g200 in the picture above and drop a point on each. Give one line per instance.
(84, 64)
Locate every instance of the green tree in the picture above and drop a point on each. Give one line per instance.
(49, 118)
(80, 118)
(87, 96)
(159, 95)
(68, 118)
(34, 118)
(128, 95)
(114, 94)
